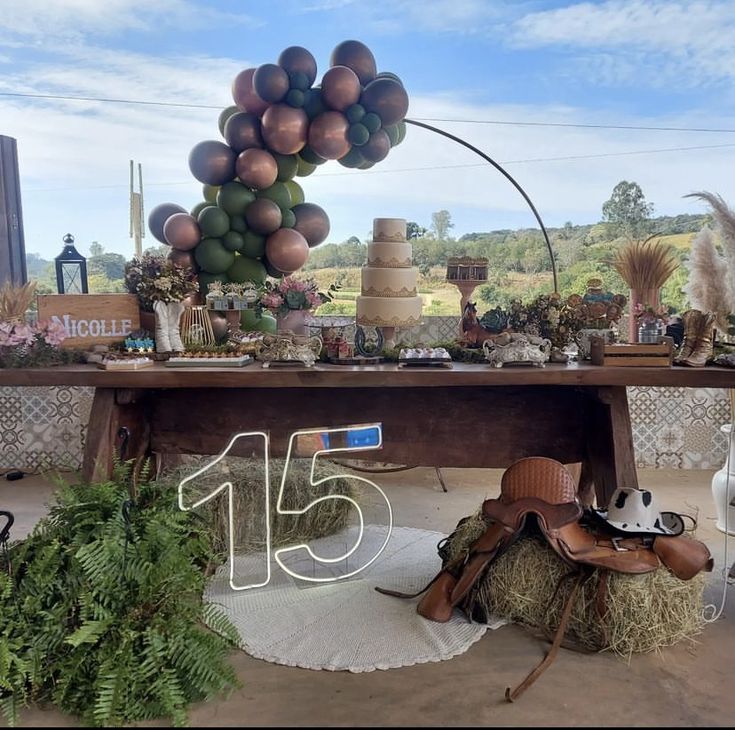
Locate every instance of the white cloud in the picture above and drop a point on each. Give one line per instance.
(682, 41)
(37, 19)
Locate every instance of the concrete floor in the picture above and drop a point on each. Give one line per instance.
(685, 685)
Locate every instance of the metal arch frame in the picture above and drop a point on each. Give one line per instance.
(507, 175)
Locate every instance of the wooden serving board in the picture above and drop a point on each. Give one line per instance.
(355, 360)
(632, 354)
(437, 362)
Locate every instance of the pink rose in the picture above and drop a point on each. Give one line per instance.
(22, 334)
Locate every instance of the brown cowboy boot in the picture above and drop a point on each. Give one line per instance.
(703, 347)
(690, 319)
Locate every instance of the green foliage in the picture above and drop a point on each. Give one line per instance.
(627, 210)
(104, 616)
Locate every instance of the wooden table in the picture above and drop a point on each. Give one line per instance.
(469, 416)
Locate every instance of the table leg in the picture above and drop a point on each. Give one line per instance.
(610, 460)
(113, 409)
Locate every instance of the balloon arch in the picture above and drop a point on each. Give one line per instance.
(254, 220)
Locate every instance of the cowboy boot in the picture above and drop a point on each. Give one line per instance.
(163, 343)
(175, 310)
(690, 319)
(703, 347)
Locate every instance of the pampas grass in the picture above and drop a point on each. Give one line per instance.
(725, 219)
(707, 284)
(645, 264)
(15, 300)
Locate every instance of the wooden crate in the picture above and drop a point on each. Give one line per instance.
(633, 354)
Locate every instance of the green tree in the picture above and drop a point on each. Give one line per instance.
(96, 249)
(111, 265)
(627, 211)
(441, 222)
(414, 230)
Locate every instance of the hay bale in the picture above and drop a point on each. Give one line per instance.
(325, 518)
(644, 612)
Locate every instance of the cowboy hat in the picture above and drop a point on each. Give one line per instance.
(634, 510)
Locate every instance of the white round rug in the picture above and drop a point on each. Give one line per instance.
(346, 625)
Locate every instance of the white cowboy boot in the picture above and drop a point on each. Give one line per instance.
(163, 343)
(175, 310)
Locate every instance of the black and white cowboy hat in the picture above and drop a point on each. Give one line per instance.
(634, 511)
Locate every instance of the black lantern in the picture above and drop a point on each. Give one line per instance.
(71, 269)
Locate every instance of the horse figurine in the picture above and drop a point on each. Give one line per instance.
(473, 333)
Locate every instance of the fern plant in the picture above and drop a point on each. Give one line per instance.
(102, 613)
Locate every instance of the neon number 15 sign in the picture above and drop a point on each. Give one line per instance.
(322, 442)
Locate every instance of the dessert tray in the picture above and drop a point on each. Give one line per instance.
(208, 362)
(423, 356)
(125, 363)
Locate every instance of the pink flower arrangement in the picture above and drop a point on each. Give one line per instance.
(291, 293)
(648, 313)
(27, 344)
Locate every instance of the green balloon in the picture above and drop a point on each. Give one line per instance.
(224, 115)
(238, 223)
(353, 158)
(247, 269)
(299, 80)
(234, 197)
(358, 134)
(392, 131)
(253, 245)
(313, 104)
(287, 166)
(214, 222)
(213, 257)
(296, 191)
(295, 98)
(250, 322)
(289, 219)
(308, 155)
(401, 131)
(366, 165)
(372, 121)
(355, 113)
(233, 241)
(205, 279)
(278, 193)
(304, 168)
(210, 192)
(199, 207)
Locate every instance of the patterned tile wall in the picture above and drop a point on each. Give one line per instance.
(672, 427)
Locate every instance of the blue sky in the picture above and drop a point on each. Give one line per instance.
(468, 63)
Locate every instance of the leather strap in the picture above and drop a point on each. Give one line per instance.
(513, 694)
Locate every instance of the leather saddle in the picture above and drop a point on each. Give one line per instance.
(541, 491)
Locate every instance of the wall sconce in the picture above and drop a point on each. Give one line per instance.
(71, 269)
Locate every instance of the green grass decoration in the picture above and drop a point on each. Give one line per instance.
(105, 618)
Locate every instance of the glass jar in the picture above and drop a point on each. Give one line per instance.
(649, 332)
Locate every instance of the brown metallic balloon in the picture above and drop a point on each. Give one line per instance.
(311, 222)
(212, 162)
(295, 58)
(340, 88)
(387, 98)
(287, 250)
(243, 93)
(182, 258)
(182, 231)
(270, 82)
(219, 324)
(377, 147)
(358, 57)
(193, 299)
(285, 129)
(257, 169)
(328, 135)
(242, 131)
(263, 216)
(158, 216)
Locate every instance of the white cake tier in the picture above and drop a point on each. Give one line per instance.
(389, 229)
(378, 282)
(389, 311)
(382, 254)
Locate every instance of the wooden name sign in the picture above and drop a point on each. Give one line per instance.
(91, 319)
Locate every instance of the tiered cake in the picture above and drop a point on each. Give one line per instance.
(388, 291)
